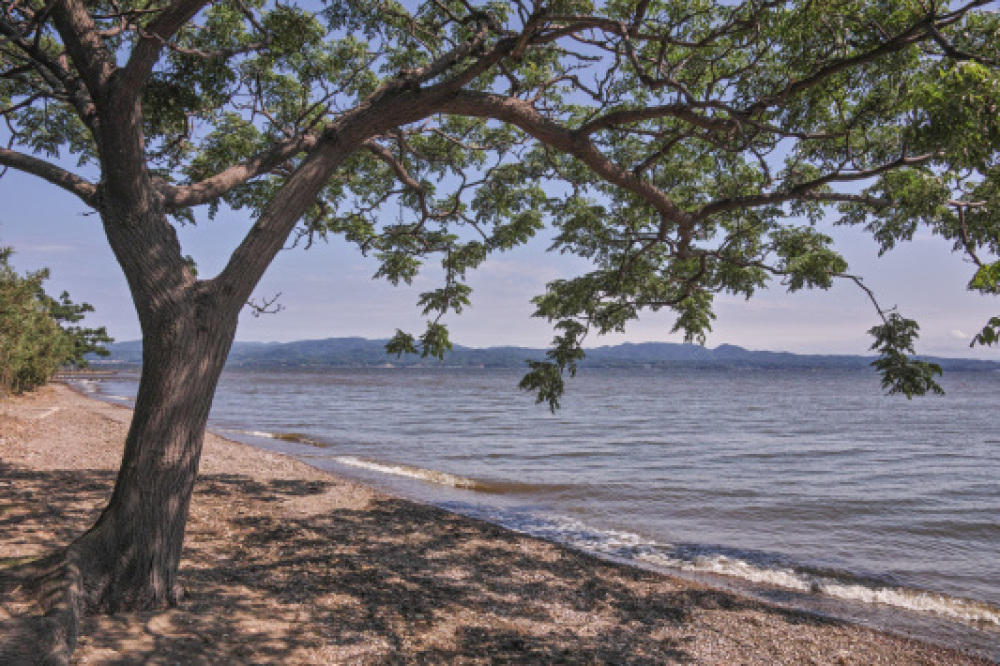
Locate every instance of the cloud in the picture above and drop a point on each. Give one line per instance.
(959, 335)
(24, 248)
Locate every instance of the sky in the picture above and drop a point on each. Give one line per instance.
(328, 291)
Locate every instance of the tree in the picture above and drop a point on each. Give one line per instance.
(34, 343)
(686, 148)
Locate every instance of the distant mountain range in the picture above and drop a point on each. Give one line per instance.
(361, 352)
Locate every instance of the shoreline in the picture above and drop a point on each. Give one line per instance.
(286, 562)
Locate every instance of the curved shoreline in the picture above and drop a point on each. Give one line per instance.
(287, 563)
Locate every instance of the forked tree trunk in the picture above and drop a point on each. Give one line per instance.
(130, 558)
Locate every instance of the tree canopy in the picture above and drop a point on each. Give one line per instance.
(685, 148)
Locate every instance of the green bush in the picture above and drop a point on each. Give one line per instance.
(38, 334)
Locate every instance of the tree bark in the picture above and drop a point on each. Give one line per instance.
(129, 559)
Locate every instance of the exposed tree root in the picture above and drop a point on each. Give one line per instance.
(55, 583)
(64, 586)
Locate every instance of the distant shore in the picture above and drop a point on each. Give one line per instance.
(288, 564)
(362, 352)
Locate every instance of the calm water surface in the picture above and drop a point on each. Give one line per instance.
(810, 481)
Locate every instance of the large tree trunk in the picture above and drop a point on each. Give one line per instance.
(130, 558)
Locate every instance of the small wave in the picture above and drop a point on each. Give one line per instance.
(297, 438)
(94, 387)
(252, 433)
(428, 475)
(755, 567)
(967, 610)
(453, 480)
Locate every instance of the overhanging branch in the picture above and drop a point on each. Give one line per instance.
(807, 191)
(70, 182)
(523, 115)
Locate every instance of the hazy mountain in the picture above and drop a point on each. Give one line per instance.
(360, 352)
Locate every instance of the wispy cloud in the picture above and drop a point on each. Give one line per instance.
(23, 248)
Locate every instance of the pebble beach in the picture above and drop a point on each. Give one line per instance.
(285, 563)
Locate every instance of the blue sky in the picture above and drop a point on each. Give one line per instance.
(328, 291)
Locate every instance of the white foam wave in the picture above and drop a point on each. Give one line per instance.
(729, 566)
(629, 546)
(915, 600)
(967, 610)
(428, 475)
(252, 433)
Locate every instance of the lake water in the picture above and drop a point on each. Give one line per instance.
(809, 486)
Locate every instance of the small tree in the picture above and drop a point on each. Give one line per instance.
(685, 147)
(34, 343)
(84, 340)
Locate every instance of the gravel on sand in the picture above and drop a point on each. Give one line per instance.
(287, 564)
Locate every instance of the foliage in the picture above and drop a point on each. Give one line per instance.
(990, 334)
(900, 373)
(38, 334)
(685, 149)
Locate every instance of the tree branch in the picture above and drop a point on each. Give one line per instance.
(50, 68)
(523, 115)
(400, 171)
(83, 43)
(681, 111)
(952, 51)
(912, 35)
(225, 181)
(411, 78)
(806, 190)
(152, 40)
(70, 182)
(339, 140)
(276, 222)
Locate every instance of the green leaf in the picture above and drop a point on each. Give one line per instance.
(987, 279)
(435, 341)
(545, 380)
(894, 340)
(990, 334)
(401, 343)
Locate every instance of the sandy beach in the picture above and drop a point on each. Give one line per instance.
(288, 564)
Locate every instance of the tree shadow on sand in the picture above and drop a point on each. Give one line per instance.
(391, 582)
